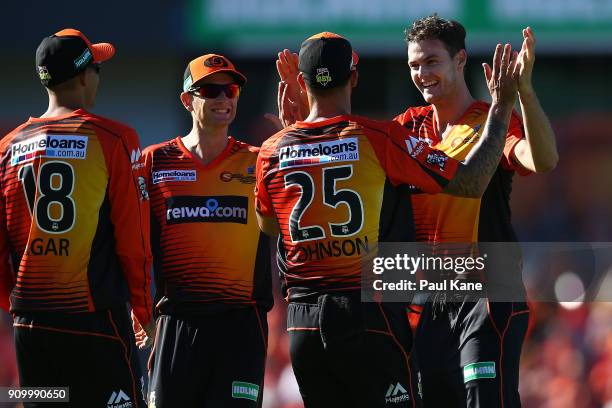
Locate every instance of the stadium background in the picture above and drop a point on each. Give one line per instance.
(567, 360)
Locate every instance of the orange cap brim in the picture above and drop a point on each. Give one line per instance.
(102, 51)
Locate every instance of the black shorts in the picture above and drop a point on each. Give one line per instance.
(93, 354)
(346, 353)
(209, 360)
(469, 353)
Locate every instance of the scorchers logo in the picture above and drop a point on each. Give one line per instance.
(216, 62)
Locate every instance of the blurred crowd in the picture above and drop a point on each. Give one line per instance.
(567, 358)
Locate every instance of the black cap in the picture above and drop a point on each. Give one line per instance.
(326, 60)
(66, 53)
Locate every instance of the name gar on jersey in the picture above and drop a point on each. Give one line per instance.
(327, 183)
(74, 217)
(208, 251)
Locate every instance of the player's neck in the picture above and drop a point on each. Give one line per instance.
(206, 143)
(449, 111)
(325, 110)
(330, 106)
(63, 105)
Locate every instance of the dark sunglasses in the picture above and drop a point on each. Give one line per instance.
(212, 91)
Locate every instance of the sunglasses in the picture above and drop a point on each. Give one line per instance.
(212, 91)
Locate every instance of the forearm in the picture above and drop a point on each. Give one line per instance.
(541, 154)
(474, 174)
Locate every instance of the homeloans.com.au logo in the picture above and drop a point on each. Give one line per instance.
(56, 146)
(186, 209)
(173, 175)
(319, 153)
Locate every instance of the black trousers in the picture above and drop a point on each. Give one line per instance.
(351, 354)
(469, 353)
(93, 354)
(209, 360)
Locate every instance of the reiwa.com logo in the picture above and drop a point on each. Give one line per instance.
(174, 175)
(56, 146)
(187, 209)
(313, 154)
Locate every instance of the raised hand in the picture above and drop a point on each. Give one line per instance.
(287, 67)
(292, 101)
(475, 172)
(526, 60)
(502, 80)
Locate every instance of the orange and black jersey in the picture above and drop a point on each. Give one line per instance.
(328, 184)
(208, 251)
(443, 218)
(74, 211)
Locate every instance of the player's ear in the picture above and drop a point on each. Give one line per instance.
(461, 59)
(82, 78)
(354, 78)
(301, 82)
(186, 99)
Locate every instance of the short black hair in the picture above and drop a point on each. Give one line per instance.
(451, 33)
(325, 92)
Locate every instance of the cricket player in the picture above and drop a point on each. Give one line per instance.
(74, 236)
(469, 348)
(450, 351)
(211, 261)
(325, 185)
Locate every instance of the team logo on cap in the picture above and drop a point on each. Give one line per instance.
(43, 73)
(216, 62)
(323, 77)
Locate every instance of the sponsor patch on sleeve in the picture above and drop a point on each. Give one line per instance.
(438, 159)
(415, 146)
(474, 371)
(245, 390)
